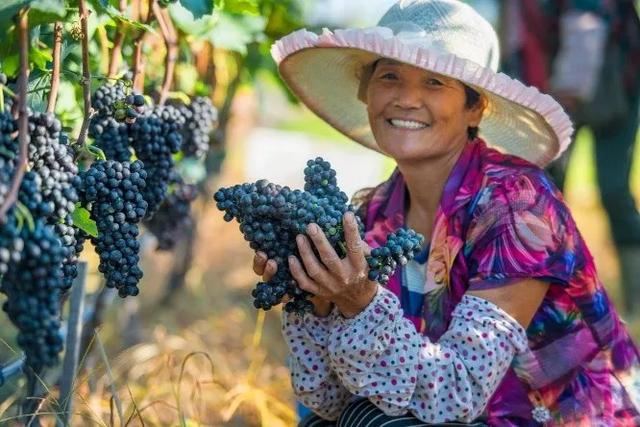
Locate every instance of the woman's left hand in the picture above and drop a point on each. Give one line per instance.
(343, 281)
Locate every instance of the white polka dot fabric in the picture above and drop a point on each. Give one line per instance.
(380, 355)
(314, 382)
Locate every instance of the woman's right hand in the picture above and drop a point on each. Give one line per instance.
(267, 268)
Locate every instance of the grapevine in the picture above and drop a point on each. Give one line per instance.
(91, 153)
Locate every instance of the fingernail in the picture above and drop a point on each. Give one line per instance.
(312, 229)
(300, 239)
(292, 259)
(261, 255)
(349, 217)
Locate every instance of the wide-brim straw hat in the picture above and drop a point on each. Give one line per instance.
(443, 36)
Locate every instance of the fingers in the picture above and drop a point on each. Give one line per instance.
(355, 245)
(270, 270)
(259, 263)
(264, 267)
(298, 273)
(314, 269)
(328, 255)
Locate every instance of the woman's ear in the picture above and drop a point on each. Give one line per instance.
(477, 110)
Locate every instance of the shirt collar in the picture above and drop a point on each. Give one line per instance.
(452, 196)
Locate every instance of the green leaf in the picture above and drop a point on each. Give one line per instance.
(11, 65)
(40, 57)
(250, 7)
(23, 214)
(235, 32)
(103, 7)
(41, 12)
(82, 219)
(184, 20)
(198, 8)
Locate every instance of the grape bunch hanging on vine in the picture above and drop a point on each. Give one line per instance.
(118, 177)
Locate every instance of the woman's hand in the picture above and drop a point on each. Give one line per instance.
(343, 281)
(267, 268)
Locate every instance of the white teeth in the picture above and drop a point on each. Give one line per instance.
(407, 124)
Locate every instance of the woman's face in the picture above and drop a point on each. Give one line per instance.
(416, 114)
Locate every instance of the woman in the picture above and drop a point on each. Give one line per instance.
(502, 319)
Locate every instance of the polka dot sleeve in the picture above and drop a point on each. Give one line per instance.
(314, 382)
(379, 355)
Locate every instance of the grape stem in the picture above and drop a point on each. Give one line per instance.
(86, 73)
(116, 51)
(23, 125)
(55, 76)
(171, 44)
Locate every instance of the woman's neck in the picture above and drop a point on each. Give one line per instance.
(425, 180)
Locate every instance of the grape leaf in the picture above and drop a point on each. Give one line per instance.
(235, 32)
(105, 8)
(184, 20)
(82, 219)
(40, 12)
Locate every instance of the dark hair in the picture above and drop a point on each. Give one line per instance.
(472, 99)
(472, 96)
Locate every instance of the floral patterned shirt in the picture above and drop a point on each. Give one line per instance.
(501, 219)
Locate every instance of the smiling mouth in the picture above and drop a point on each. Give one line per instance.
(407, 124)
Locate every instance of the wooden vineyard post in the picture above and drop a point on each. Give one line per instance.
(74, 333)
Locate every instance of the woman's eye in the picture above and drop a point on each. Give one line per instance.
(388, 76)
(434, 82)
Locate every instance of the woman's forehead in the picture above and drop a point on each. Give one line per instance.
(394, 63)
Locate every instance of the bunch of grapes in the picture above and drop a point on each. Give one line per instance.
(32, 283)
(156, 137)
(53, 161)
(320, 180)
(114, 100)
(8, 150)
(114, 192)
(52, 195)
(174, 215)
(11, 243)
(111, 136)
(401, 246)
(271, 216)
(201, 118)
(110, 126)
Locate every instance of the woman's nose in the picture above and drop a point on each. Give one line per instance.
(408, 97)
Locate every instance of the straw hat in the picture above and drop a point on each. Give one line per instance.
(444, 36)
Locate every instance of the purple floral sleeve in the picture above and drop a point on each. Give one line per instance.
(525, 232)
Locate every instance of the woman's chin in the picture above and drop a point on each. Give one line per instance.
(405, 150)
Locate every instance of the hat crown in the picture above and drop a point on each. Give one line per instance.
(448, 26)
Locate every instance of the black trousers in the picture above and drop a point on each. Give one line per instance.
(363, 413)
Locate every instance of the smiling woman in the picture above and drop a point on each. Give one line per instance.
(475, 328)
(415, 112)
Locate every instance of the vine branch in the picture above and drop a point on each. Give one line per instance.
(138, 64)
(170, 38)
(86, 73)
(23, 125)
(55, 76)
(116, 51)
